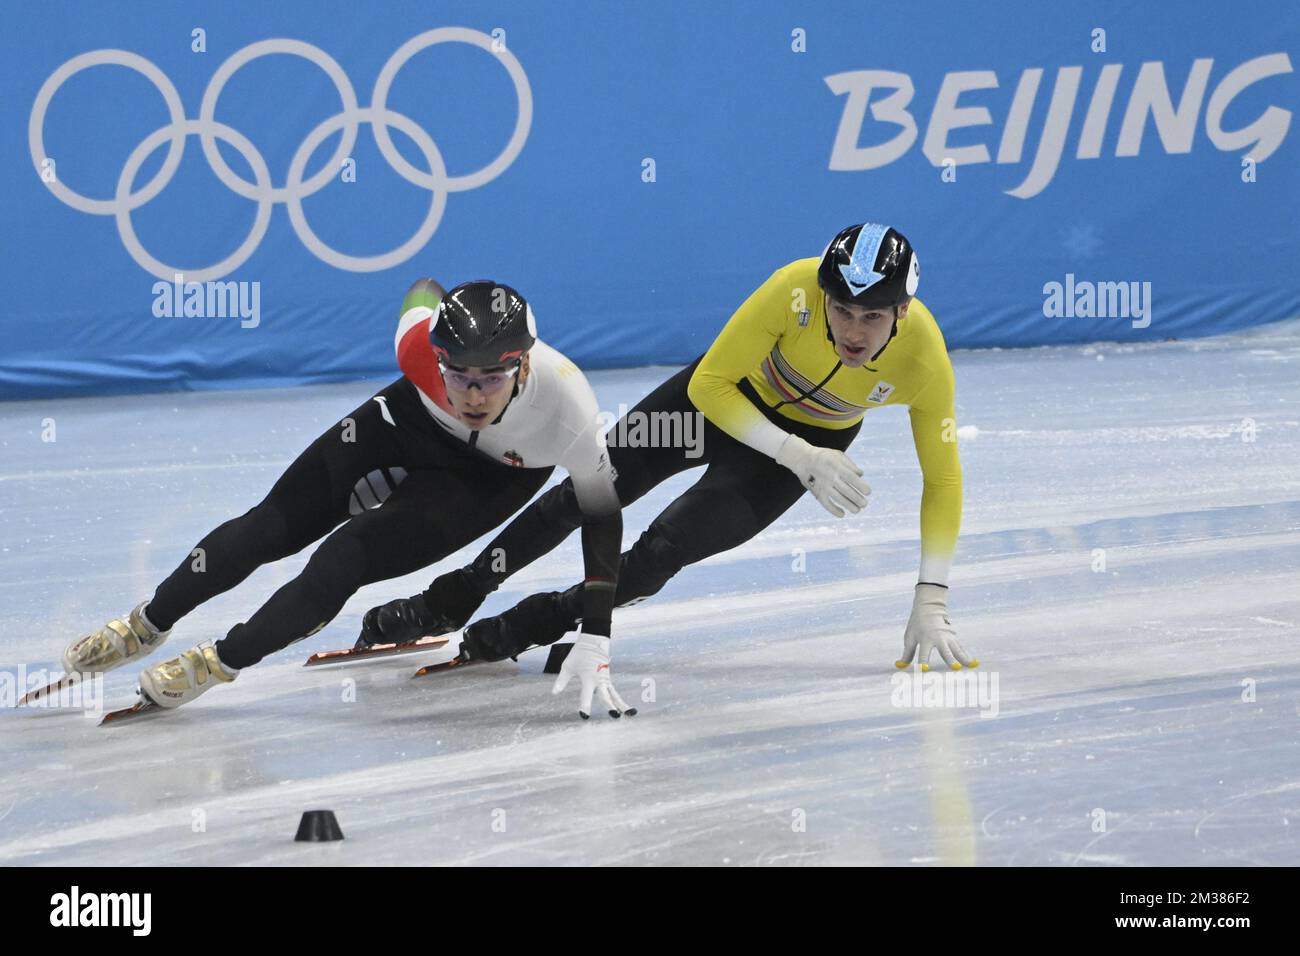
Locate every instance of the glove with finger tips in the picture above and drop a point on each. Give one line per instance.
(589, 663)
(929, 629)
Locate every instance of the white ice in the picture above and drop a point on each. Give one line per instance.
(1146, 713)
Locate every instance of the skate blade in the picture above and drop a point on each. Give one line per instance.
(63, 683)
(439, 668)
(375, 651)
(140, 708)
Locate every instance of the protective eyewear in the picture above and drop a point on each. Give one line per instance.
(488, 383)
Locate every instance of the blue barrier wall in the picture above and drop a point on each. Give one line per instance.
(635, 170)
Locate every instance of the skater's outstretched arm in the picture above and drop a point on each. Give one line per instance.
(592, 474)
(934, 433)
(602, 539)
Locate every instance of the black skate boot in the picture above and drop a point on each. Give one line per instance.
(537, 620)
(443, 607)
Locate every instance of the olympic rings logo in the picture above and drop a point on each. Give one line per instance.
(297, 185)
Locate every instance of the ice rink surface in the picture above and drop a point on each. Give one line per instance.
(1127, 574)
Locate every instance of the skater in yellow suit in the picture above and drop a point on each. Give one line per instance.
(783, 390)
(781, 351)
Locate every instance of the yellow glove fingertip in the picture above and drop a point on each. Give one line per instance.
(956, 666)
(900, 663)
(925, 668)
(974, 662)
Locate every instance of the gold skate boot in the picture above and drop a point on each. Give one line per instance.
(116, 643)
(181, 679)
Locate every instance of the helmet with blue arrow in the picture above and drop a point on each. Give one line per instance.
(870, 265)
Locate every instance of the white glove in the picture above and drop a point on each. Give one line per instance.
(930, 628)
(828, 473)
(589, 662)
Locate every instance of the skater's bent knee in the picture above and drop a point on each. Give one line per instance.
(338, 567)
(705, 521)
(267, 530)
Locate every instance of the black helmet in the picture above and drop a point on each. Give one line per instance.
(870, 265)
(481, 324)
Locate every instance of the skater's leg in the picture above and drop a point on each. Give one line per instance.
(542, 526)
(431, 515)
(725, 508)
(309, 499)
(735, 499)
(742, 492)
